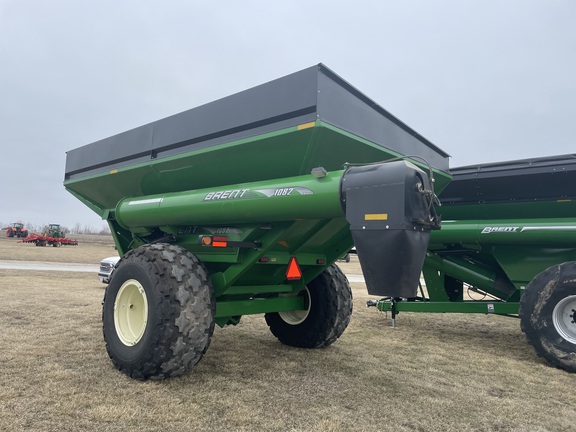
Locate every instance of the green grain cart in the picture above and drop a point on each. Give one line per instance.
(243, 205)
(507, 246)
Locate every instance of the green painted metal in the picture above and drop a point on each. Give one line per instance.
(513, 250)
(285, 153)
(537, 209)
(477, 274)
(258, 192)
(481, 307)
(496, 244)
(552, 231)
(226, 308)
(294, 198)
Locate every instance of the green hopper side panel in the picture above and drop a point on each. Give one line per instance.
(279, 129)
(502, 224)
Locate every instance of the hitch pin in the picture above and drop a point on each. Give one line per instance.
(370, 303)
(393, 312)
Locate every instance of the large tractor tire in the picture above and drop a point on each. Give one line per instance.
(9, 233)
(328, 300)
(158, 312)
(548, 315)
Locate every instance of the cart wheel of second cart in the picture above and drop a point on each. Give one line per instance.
(548, 315)
(158, 312)
(328, 300)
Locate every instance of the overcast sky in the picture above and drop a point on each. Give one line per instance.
(486, 81)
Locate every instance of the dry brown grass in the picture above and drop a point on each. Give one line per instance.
(90, 250)
(431, 373)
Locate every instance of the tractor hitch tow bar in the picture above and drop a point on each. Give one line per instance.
(370, 303)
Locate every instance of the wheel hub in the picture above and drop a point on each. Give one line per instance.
(295, 317)
(564, 318)
(130, 312)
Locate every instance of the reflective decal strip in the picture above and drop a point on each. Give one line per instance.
(549, 228)
(146, 201)
(376, 216)
(306, 125)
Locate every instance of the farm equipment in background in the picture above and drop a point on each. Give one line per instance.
(507, 246)
(52, 235)
(53, 230)
(243, 205)
(16, 230)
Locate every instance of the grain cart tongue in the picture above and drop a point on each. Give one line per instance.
(243, 205)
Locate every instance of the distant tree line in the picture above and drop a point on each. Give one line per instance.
(88, 229)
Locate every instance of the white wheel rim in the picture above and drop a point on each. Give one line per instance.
(130, 312)
(564, 317)
(295, 317)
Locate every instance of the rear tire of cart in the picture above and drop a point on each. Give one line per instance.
(158, 312)
(329, 307)
(548, 315)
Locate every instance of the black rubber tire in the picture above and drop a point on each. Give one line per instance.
(330, 310)
(543, 293)
(181, 309)
(9, 233)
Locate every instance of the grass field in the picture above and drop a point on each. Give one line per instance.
(431, 373)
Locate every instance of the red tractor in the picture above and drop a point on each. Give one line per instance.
(16, 230)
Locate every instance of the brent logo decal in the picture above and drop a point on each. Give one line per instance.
(257, 193)
(224, 195)
(489, 230)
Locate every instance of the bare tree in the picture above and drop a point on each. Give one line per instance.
(105, 230)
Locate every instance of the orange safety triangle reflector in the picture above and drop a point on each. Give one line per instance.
(293, 272)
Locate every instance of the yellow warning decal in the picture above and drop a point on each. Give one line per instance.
(306, 125)
(114, 171)
(376, 216)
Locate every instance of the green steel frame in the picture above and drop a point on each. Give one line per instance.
(248, 276)
(494, 258)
